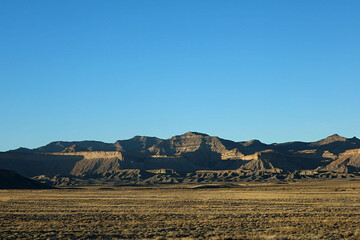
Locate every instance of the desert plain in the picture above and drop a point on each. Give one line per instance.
(322, 209)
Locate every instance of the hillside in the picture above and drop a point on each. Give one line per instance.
(186, 153)
(12, 180)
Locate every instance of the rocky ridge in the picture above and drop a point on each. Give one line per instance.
(182, 158)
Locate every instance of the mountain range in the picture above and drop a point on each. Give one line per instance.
(145, 159)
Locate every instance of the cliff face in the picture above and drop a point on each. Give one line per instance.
(271, 160)
(346, 162)
(33, 164)
(185, 153)
(96, 162)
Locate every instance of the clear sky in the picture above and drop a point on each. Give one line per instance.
(108, 70)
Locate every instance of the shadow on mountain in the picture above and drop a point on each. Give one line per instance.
(12, 180)
(30, 165)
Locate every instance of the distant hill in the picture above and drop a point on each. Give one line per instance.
(186, 153)
(12, 180)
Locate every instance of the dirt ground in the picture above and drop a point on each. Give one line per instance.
(304, 210)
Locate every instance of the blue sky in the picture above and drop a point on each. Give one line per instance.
(107, 70)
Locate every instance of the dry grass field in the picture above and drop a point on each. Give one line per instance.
(308, 210)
